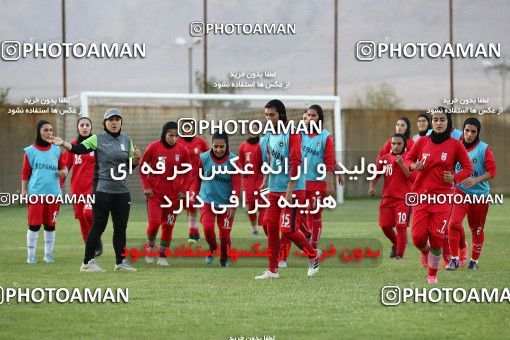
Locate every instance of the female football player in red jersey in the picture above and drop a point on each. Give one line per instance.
(434, 158)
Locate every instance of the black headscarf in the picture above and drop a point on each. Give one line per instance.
(319, 111)
(166, 127)
(279, 107)
(80, 137)
(475, 122)
(253, 140)
(438, 138)
(407, 133)
(38, 139)
(429, 126)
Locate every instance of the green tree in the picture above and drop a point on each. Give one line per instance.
(4, 92)
(382, 97)
(230, 104)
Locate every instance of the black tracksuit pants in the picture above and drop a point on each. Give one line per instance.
(118, 205)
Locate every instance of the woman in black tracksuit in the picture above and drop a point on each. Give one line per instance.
(112, 151)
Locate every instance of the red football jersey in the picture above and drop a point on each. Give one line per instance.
(438, 158)
(195, 148)
(251, 154)
(396, 184)
(172, 157)
(83, 171)
(386, 149)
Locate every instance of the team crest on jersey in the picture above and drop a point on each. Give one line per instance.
(281, 144)
(177, 157)
(196, 151)
(475, 160)
(122, 147)
(318, 143)
(443, 156)
(54, 157)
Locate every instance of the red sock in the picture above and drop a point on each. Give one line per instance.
(477, 243)
(401, 240)
(305, 229)
(252, 218)
(390, 234)
(300, 240)
(284, 248)
(454, 235)
(433, 262)
(462, 239)
(166, 238)
(446, 250)
(273, 243)
(316, 232)
(152, 233)
(210, 236)
(166, 232)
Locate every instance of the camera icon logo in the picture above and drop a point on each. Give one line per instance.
(391, 295)
(187, 127)
(11, 50)
(5, 199)
(365, 50)
(197, 29)
(411, 199)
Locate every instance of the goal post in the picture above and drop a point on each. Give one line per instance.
(334, 101)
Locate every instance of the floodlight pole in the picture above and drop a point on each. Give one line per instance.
(450, 6)
(205, 56)
(64, 69)
(335, 58)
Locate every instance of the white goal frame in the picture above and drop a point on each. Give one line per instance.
(338, 127)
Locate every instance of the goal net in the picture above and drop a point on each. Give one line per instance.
(145, 113)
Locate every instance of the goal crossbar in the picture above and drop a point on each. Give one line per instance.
(339, 143)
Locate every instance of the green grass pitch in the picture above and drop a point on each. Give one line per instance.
(218, 303)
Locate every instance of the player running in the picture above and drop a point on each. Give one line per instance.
(82, 167)
(434, 158)
(215, 192)
(454, 133)
(393, 211)
(404, 128)
(423, 125)
(284, 148)
(317, 149)
(195, 146)
(159, 161)
(484, 169)
(43, 164)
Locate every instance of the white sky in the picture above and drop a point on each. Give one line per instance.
(306, 59)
